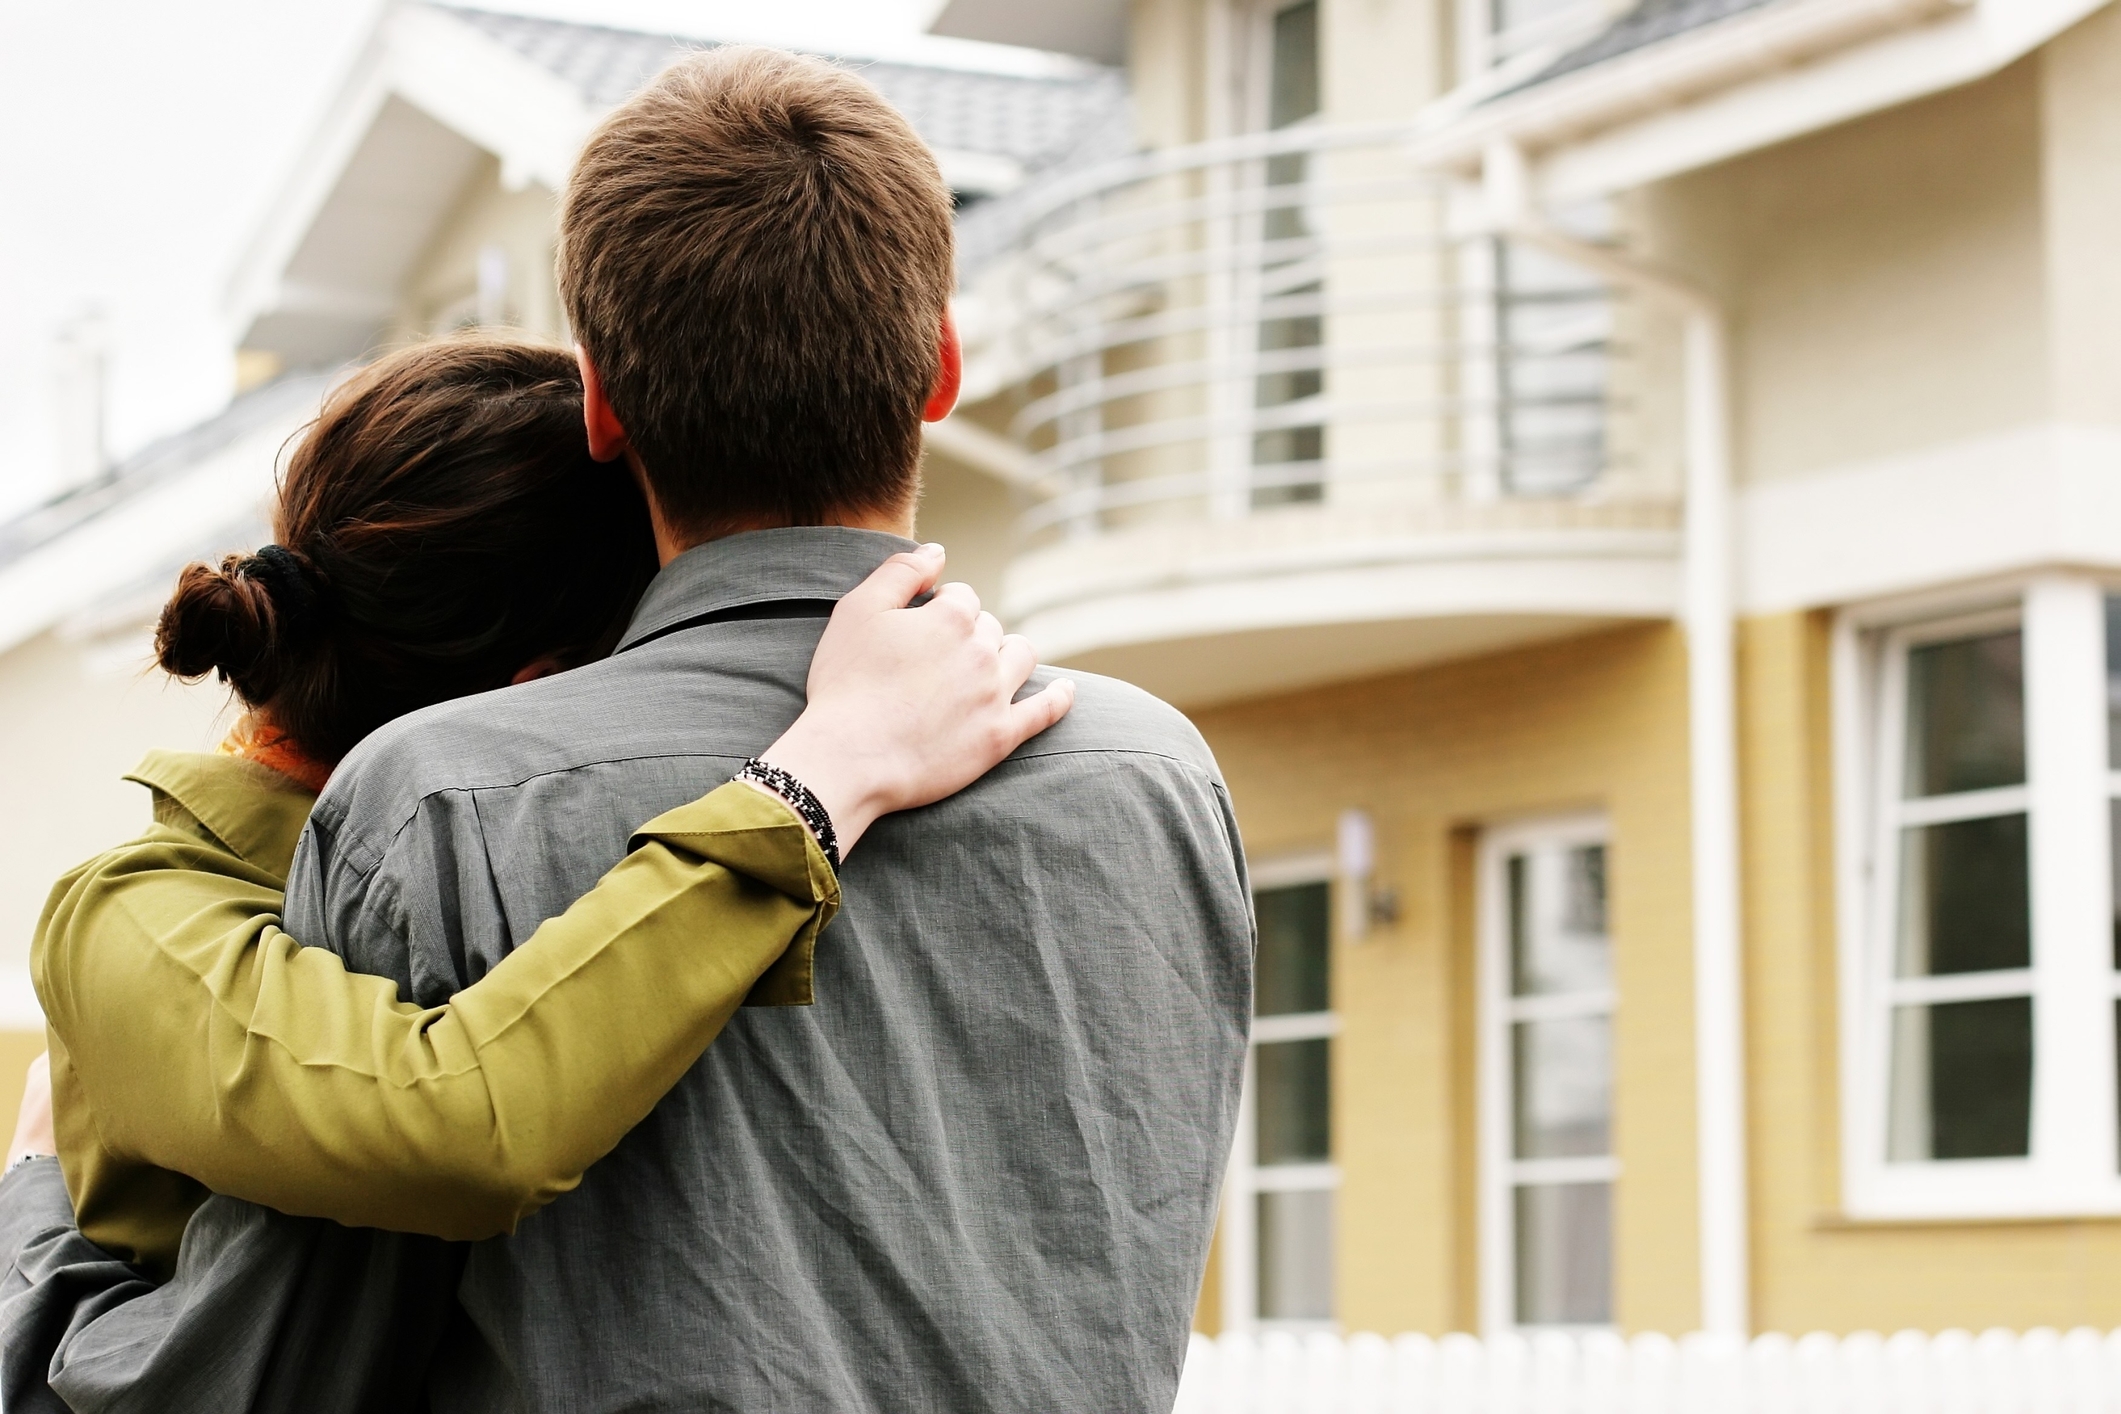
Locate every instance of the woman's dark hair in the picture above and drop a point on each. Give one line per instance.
(441, 527)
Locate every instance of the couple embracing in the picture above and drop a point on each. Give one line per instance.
(469, 1034)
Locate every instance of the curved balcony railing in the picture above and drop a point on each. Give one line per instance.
(1288, 321)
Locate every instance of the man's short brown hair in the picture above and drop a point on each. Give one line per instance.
(756, 251)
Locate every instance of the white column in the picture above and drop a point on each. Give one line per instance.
(1719, 1011)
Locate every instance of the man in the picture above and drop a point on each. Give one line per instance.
(981, 1171)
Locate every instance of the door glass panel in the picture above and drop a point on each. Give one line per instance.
(1563, 1074)
(1296, 1255)
(1294, 1117)
(1962, 1081)
(1964, 900)
(1564, 1235)
(1558, 937)
(1966, 714)
(1290, 975)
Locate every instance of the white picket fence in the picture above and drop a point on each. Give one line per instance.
(1955, 1372)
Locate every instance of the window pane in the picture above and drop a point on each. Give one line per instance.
(1966, 714)
(2113, 683)
(1964, 905)
(1564, 1254)
(1294, 1116)
(2113, 847)
(1293, 86)
(1290, 974)
(1296, 1256)
(1563, 1082)
(1962, 1081)
(1557, 922)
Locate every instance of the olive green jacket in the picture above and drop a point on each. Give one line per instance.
(196, 1047)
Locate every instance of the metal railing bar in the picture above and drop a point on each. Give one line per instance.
(1307, 358)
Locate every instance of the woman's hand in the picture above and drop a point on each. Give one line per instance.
(909, 705)
(33, 1123)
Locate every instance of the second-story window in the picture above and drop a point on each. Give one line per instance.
(1288, 448)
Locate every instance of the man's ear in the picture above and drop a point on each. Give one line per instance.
(607, 439)
(949, 376)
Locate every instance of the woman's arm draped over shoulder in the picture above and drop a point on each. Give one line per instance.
(211, 1043)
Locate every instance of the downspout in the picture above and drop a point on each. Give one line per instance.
(1707, 618)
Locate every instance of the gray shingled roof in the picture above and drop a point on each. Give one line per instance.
(1037, 121)
(1648, 23)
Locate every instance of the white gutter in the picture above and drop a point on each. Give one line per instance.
(1737, 85)
(1707, 612)
(1661, 75)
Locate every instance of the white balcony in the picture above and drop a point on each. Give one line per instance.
(1286, 427)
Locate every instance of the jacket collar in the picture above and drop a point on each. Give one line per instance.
(254, 810)
(760, 567)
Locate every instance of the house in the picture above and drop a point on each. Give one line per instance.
(1630, 492)
(1632, 495)
(424, 201)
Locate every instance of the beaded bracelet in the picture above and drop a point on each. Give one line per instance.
(800, 800)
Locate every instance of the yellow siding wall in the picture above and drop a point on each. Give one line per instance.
(1592, 722)
(1812, 1270)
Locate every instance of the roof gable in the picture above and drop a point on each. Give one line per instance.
(442, 85)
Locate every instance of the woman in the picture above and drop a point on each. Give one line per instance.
(442, 531)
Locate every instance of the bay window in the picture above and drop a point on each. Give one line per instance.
(1978, 978)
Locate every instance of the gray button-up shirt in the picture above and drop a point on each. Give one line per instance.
(979, 1173)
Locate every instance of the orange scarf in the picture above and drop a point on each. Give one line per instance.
(259, 741)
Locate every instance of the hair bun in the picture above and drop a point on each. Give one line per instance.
(224, 620)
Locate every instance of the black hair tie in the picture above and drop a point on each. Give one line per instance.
(294, 596)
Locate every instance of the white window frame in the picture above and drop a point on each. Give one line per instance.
(2072, 1167)
(1501, 1171)
(1245, 1179)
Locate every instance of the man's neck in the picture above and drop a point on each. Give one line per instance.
(671, 542)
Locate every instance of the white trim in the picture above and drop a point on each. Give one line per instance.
(1740, 84)
(2071, 1168)
(1305, 1026)
(1500, 1171)
(1281, 870)
(1996, 504)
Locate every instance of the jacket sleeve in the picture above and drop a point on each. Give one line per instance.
(209, 1042)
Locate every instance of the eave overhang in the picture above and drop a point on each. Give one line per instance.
(1735, 86)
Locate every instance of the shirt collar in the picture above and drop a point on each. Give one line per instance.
(760, 567)
(254, 810)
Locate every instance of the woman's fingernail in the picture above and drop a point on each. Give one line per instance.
(931, 548)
